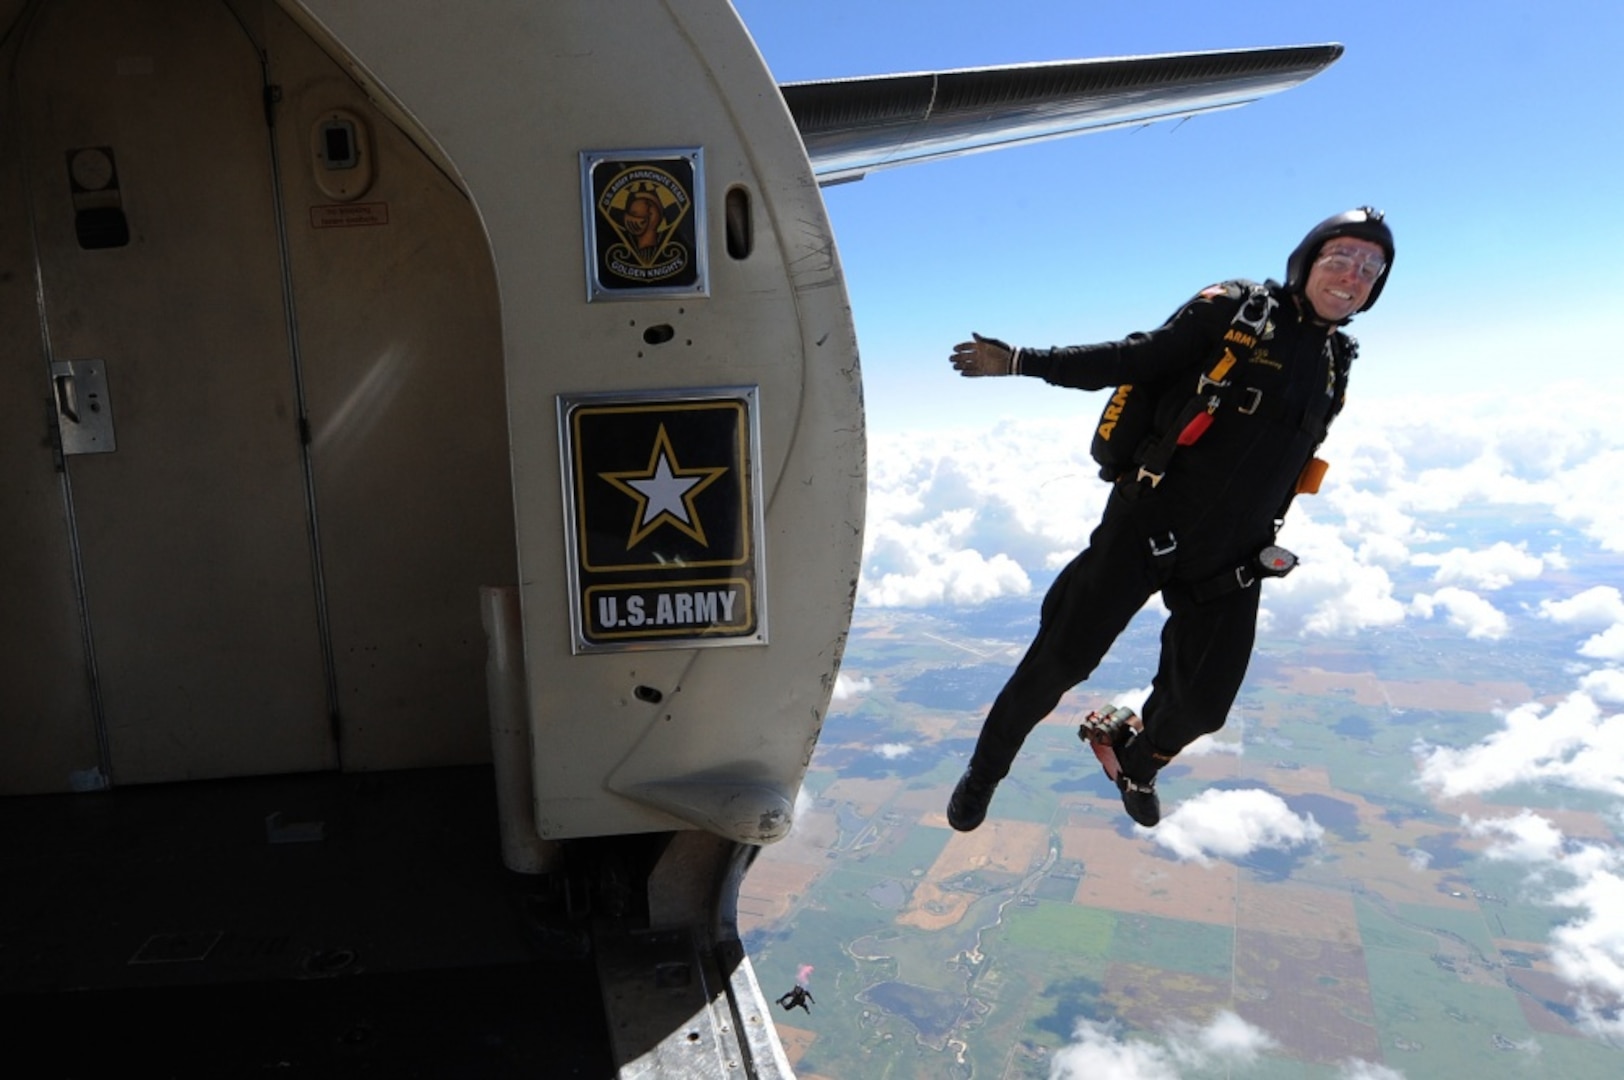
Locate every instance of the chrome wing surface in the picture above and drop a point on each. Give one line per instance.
(852, 127)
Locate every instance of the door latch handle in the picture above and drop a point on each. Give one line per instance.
(84, 411)
(67, 398)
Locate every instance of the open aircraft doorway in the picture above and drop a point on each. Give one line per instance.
(433, 468)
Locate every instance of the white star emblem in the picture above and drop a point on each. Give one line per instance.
(665, 492)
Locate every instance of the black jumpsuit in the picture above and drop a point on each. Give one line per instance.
(1217, 506)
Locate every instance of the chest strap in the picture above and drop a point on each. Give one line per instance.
(1214, 387)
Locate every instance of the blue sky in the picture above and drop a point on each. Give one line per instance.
(1487, 131)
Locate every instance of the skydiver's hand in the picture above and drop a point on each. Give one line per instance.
(983, 356)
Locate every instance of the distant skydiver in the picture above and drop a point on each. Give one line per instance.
(798, 996)
(1209, 436)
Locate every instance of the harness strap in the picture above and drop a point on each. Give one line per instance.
(1214, 386)
(1342, 350)
(1272, 561)
(1241, 577)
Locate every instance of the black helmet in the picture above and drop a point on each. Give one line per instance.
(1364, 223)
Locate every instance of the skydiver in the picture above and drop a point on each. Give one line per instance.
(798, 996)
(1195, 504)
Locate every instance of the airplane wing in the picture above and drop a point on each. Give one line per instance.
(852, 127)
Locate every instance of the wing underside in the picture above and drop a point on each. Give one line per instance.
(852, 127)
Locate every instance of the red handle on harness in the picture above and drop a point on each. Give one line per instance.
(1195, 429)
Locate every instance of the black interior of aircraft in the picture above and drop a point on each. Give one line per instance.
(313, 925)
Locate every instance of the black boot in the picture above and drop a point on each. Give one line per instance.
(968, 806)
(1137, 780)
(1140, 800)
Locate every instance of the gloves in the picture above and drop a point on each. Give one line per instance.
(983, 356)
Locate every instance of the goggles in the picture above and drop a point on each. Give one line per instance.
(1369, 265)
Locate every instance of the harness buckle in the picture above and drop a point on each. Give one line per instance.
(1251, 406)
(1157, 551)
(1258, 324)
(1244, 578)
(1145, 474)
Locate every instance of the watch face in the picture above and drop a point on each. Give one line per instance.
(91, 168)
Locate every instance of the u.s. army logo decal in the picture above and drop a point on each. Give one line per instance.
(644, 215)
(663, 512)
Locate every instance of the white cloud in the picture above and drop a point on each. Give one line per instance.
(1528, 837)
(1604, 685)
(1493, 568)
(1368, 517)
(1227, 1037)
(1233, 824)
(1133, 699)
(891, 751)
(1233, 741)
(1577, 744)
(963, 517)
(849, 687)
(1587, 951)
(1573, 743)
(1563, 452)
(1333, 591)
(1099, 1054)
(1607, 645)
(1589, 498)
(1357, 1069)
(1599, 606)
(916, 566)
(1465, 611)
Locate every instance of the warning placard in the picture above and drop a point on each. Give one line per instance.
(348, 215)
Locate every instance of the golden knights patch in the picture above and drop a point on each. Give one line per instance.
(644, 218)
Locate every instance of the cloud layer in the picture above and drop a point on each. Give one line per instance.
(1226, 1046)
(1587, 878)
(962, 518)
